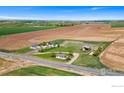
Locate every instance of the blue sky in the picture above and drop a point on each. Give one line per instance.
(62, 12)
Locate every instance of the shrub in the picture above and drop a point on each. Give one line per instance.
(70, 54)
(41, 50)
(4, 50)
(98, 51)
(67, 59)
(53, 55)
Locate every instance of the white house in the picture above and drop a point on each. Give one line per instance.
(44, 46)
(61, 56)
(49, 45)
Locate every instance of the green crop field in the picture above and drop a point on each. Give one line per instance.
(117, 25)
(11, 29)
(8, 27)
(39, 71)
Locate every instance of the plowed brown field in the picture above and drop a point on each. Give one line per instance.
(113, 56)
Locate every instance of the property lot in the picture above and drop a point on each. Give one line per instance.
(70, 46)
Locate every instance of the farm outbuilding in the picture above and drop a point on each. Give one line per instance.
(35, 47)
(86, 48)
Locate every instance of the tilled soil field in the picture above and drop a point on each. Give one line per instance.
(113, 56)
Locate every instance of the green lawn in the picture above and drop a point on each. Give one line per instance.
(11, 29)
(39, 71)
(23, 50)
(88, 61)
(61, 49)
(48, 56)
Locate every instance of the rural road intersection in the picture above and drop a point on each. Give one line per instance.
(61, 66)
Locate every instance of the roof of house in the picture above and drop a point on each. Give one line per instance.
(62, 55)
(34, 45)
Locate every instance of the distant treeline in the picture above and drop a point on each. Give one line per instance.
(38, 23)
(114, 23)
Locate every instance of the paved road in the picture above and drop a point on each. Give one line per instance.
(66, 67)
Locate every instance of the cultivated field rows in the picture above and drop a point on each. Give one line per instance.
(113, 56)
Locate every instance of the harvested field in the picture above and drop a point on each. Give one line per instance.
(8, 64)
(93, 32)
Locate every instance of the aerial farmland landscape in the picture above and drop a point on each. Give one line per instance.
(72, 41)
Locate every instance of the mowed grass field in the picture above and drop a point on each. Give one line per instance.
(39, 71)
(15, 29)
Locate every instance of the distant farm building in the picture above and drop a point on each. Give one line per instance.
(43, 46)
(35, 47)
(86, 48)
(48, 45)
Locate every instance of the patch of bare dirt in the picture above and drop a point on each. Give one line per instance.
(9, 64)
